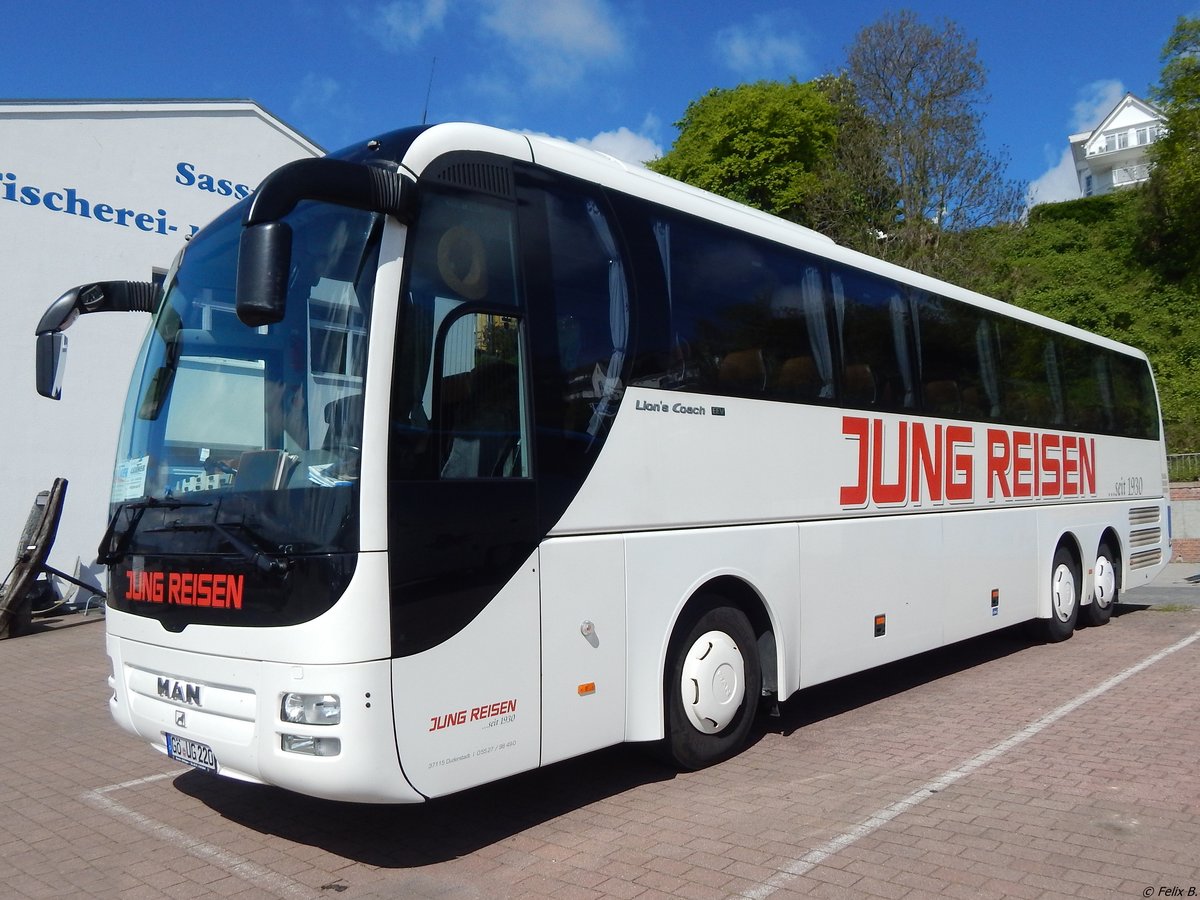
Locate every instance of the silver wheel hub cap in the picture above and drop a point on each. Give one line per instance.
(1106, 582)
(713, 683)
(1063, 593)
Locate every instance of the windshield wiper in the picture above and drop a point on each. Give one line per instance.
(107, 554)
(250, 550)
(269, 564)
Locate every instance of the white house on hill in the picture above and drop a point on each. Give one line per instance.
(1114, 155)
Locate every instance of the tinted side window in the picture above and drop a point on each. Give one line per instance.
(483, 428)
(462, 251)
(961, 361)
(1083, 404)
(799, 351)
(748, 318)
(1030, 378)
(1129, 394)
(724, 312)
(1108, 392)
(874, 338)
(590, 296)
(1049, 381)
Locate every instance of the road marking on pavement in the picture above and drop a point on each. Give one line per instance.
(279, 885)
(805, 864)
(150, 779)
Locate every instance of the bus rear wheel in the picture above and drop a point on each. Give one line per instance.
(1065, 583)
(712, 687)
(1107, 586)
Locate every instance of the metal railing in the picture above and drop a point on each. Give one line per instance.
(1183, 466)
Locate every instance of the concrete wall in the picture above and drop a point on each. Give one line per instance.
(89, 192)
(1185, 522)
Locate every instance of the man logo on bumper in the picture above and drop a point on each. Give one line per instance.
(179, 691)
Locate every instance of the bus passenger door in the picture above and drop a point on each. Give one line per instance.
(580, 312)
(583, 645)
(463, 557)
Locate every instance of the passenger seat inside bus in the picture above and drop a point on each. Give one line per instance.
(743, 373)
(798, 379)
(942, 398)
(343, 418)
(858, 385)
(479, 418)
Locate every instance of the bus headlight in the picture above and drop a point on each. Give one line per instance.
(311, 709)
(310, 746)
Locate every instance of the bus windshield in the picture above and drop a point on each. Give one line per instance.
(257, 427)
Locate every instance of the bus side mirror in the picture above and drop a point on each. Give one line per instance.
(265, 249)
(51, 359)
(264, 261)
(100, 296)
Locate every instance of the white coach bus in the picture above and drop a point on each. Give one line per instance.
(465, 451)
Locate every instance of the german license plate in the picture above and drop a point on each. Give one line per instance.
(193, 753)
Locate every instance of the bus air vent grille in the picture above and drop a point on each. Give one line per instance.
(1144, 515)
(1144, 558)
(1145, 537)
(484, 177)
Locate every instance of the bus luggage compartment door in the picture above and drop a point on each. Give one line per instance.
(583, 645)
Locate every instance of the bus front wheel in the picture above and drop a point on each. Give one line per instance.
(712, 687)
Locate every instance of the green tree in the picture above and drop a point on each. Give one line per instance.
(760, 144)
(802, 151)
(923, 88)
(1172, 199)
(856, 201)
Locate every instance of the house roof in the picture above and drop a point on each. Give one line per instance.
(1149, 110)
(153, 107)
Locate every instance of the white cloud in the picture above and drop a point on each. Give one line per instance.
(1096, 101)
(556, 41)
(760, 48)
(315, 93)
(626, 145)
(635, 147)
(320, 102)
(403, 23)
(574, 26)
(1061, 181)
(1058, 183)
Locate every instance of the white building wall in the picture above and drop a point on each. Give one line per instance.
(90, 192)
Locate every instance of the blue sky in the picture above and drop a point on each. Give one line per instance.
(614, 74)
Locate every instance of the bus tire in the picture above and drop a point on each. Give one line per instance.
(1107, 581)
(712, 687)
(1065, 582)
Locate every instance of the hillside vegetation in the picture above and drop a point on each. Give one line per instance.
(1080, 262)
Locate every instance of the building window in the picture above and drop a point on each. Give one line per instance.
(1147, 134)
(1087, 186)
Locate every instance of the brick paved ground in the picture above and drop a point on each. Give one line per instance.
(851, 792)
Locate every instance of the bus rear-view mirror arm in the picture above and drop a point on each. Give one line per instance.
(265, 250)
(99, 296)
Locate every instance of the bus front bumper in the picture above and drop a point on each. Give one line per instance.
(226, 716)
